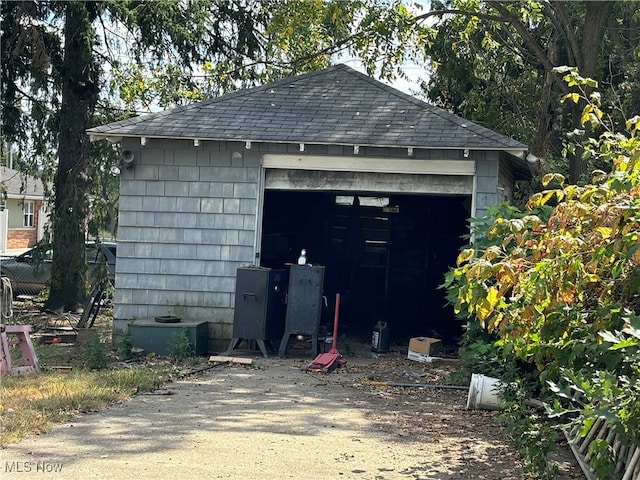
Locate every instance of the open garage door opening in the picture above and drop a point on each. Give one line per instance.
(385, 254)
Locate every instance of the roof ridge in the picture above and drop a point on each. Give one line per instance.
(13, 172)
(269, 85)
(17, 182)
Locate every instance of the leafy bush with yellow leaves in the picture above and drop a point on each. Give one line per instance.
(559, 284)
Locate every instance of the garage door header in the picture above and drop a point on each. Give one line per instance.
(373, 165)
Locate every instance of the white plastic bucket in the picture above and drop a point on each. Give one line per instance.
(483, 393)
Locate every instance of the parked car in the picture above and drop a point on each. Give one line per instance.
(101, 256)
(30, 272)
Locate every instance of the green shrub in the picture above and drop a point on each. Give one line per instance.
(558, 285)
(95, 352)
(125, 347)
(180, 346)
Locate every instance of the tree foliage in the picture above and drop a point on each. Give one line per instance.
(293, 37)
(71, 65)
(559, 283)
(493, 62)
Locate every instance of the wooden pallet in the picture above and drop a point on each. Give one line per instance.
(628, 456)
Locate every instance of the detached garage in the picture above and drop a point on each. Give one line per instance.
(376, 185)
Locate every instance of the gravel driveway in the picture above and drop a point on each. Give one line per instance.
(272, 420)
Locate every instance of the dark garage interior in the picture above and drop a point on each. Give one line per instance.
(385, 254)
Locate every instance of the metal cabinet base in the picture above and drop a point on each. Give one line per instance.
(259, 311)
(157, 337)
(304, 305)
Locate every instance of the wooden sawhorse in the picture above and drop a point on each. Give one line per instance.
(22, 340)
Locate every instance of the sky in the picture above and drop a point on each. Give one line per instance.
(411, 85)
(415, 73)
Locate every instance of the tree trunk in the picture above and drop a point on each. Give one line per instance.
(540, 146)
(79, 94)
(596, 16)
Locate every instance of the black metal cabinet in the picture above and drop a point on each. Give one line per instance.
(304, 304)
(259, 312)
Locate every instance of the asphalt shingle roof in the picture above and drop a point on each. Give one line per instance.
(338, 105)
(18, 184)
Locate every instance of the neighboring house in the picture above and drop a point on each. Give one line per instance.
(376, 185)
(22, 210)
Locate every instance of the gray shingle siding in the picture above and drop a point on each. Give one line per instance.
(186, 223)
(174, 188)
(188, 173)
(147, 172)
(169, 173)
(506, 181)
(486, 182)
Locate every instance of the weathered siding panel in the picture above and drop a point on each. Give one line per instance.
(486, 182)
(506, 181)
(187, 219)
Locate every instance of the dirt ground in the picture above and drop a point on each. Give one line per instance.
(274, 420)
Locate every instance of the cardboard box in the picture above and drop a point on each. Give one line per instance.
(423, 349)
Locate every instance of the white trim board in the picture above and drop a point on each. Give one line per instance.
(369, 164)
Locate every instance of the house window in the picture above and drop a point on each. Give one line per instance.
(27, 214)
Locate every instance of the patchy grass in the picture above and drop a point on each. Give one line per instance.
(32, 403)
(73, 379)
